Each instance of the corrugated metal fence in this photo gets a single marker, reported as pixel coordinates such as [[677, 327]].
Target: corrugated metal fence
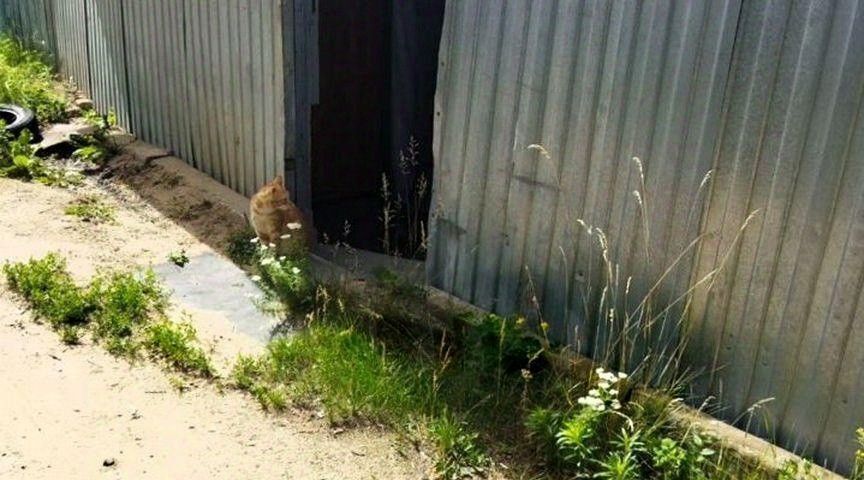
[[203, 79], [768, 95]]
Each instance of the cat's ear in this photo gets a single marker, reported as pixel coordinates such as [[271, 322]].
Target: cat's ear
[[279, 181]]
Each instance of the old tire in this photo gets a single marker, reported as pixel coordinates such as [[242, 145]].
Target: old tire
[[18, 119]]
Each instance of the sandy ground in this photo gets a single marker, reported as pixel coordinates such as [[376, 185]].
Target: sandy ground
[[64, 410]]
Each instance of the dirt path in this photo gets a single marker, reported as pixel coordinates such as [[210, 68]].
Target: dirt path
[[63, 411]]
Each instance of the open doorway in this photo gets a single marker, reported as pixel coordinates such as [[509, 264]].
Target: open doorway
[[371, 142]]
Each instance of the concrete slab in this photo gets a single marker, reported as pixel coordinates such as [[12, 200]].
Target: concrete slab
[[58, 135], [211, 282]]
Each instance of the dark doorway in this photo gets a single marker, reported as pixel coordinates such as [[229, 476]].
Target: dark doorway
[[371, 155]]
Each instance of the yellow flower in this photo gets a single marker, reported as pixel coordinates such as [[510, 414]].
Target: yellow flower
[[544, 326]]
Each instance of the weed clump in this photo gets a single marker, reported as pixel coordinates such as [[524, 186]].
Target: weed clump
[[125, 311], [240, 249], [343, 370], [174, 343], [90, 208], [459, 454], [181, 259], [18, 160], [28, 80], [285, 279], [96, 147], [858, 466], [49, 289], [126, 303]]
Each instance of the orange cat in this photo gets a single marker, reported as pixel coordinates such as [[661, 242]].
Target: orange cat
[[273, 215]]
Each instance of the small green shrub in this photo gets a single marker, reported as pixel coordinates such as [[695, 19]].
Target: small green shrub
[[240, 248], [179, 258], [70, 335], [96, 147], [28, 80], [458, 452], [543, 425], [18, 160], [285, 280], [126, 302], [174, 343], [91, 208], [858, 464], [47, 286], [501, 343], [793, 470]]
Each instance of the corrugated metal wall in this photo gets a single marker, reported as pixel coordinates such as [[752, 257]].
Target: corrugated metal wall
[[71, 55], [28, 21], [767, 94], [784, 320], [203, 79]]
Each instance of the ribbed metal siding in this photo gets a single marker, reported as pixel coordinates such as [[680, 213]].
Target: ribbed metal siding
[[28, 21], [108, 82], [203, 79], [768, 94], [785, 320], [595, 83], [70, 29]]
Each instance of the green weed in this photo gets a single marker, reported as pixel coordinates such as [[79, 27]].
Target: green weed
[[240, 248], [91, 208], [126, 302], [70, 335], [49, 289], [858, 464], [179, 258], [124, 310], [28, 80], [96, 147], [18, 160], [174, 343], [459, 454], [286, 280], [343, 370]]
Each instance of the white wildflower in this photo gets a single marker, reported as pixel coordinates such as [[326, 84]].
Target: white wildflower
[[604, 384], [266, 261], [282, 258], [254, 240], [295, 270], [271, 245], [285, 237], [622, 375], [294, 226], [613, 392], [256, 278], [594, 392]]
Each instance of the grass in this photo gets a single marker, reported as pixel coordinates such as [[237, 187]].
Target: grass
[[479, 390], [28, 80], [96, 147], [91, 208], [122, 310], [49, 289], [174, 343]]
